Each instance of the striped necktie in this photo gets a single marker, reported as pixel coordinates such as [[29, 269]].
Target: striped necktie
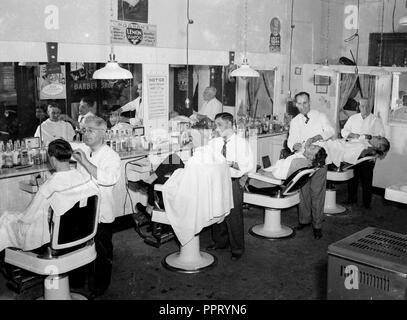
[[306, 118]]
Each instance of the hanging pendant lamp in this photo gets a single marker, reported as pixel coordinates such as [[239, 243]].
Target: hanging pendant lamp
[[245, 71], [112, 70]]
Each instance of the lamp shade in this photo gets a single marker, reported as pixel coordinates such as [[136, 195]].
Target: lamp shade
[[244, 71], [112, 71], [403, 21]]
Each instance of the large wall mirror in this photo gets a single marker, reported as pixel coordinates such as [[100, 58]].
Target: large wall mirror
[[26, 90], [398, 106], [192, 81], [259, 95]]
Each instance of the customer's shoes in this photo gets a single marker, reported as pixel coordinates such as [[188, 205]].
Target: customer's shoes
[[215, 247], [302, 226], [317, 233], [235, 257]]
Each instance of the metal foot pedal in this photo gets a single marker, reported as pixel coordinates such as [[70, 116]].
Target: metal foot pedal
[[19, 280]]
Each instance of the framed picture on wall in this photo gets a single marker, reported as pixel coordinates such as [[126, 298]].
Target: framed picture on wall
[[321, 89]]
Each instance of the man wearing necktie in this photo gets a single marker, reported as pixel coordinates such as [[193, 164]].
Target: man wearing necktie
[[240, 158], [312, 126]]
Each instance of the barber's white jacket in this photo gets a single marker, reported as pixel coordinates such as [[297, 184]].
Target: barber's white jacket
[[135, 105], [237, 150], [211, 108], [108, 164], [300, 131], [370, 125]]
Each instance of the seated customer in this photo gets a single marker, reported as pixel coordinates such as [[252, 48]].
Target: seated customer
[[341, 150], [312, 156], [29, 230], [54, 128]]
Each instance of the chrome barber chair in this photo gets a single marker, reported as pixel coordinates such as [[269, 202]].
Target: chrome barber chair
[[71, 247], [283, 195], [341, 174], [189, 259]]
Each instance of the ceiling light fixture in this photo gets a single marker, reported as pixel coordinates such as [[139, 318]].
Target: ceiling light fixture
[[245, 71], [112, 70]]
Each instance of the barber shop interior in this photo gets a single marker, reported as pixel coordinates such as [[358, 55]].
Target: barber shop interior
[[203, 150]]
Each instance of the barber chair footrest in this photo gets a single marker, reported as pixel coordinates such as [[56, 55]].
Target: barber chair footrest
[[175, 262], [261, 232]]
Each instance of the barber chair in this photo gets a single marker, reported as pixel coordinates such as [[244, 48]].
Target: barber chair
[[189, 259], [281, 196], [71, 247], [335, 174]]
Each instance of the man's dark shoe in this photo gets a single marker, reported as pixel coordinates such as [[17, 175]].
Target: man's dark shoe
[[317, 233], [302, 226], [215, 247], [235, 257]]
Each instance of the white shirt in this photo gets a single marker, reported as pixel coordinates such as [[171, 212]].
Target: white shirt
[[52, 130], [135, 105], [108, 165], [300, 131], [82, 118], [211, 108], [237, 150], [370, 125]]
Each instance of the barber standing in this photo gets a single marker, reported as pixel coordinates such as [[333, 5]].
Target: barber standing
[[135, 105], [362, 125], [103, 165], [310, 125], [239, 156]]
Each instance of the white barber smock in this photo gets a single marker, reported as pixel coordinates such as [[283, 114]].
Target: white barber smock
[[211, 108], [237, 150], [52, 130], [370, 125], [108, 164], [300, 131]]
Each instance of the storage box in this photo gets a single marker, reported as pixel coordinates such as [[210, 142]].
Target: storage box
[[368, 265]]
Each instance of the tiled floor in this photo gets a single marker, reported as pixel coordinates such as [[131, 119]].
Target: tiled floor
[[294, 268]]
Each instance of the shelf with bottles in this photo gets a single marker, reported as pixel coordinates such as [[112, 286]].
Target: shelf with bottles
[[16, 154], [247, 126]]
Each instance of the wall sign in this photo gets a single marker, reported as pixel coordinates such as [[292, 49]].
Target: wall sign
[[275, 38], [52, 85], [133, 33], [156, 86]]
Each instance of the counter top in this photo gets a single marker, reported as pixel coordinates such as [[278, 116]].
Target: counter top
[[15, 172], [272, 134]]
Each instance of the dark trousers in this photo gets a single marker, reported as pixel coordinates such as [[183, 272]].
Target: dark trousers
[[231, 230], [363, 172], [169, 165], [312, 199], [101, 269]]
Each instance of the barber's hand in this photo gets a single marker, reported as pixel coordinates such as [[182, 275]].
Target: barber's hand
[[316, 138], [233, 165], [297, 147], [353, 136], [79, 155]]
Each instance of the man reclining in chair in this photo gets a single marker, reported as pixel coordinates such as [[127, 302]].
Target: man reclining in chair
[[341, 151], [29, 230], [311, 155]]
